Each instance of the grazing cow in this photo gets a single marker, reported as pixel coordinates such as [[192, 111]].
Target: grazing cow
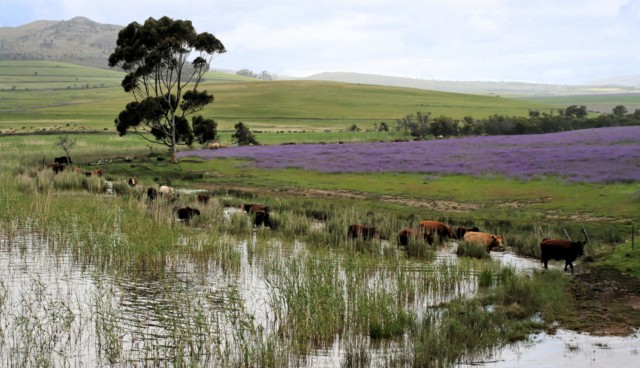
[[431, 228], [165, 190], [62, 160], [215, 145], [485, 239], [405, 235], [561, 249], [56, 168], [202, 198], [460, 231], [261, 218], [152, 193], [252, 207], [186, 213], [97, 173], [132, 182], [361, 231]]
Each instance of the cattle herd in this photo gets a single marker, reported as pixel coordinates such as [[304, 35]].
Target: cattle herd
[[427, 231]]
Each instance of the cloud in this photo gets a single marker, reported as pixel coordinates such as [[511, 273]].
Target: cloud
[[564, 41]]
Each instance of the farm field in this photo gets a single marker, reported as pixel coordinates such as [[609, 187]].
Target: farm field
[[36, 104], [110, 277], [602, 103]]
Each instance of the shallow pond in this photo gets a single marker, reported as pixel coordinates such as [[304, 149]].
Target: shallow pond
[[57, 309]]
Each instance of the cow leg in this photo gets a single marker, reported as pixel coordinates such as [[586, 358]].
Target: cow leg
[[570, 264], [545, 263]]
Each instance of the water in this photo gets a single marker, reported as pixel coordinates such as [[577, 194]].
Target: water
[[568, 348], [59, 310]]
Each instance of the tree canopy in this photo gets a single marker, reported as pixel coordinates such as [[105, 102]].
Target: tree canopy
[[163, 78], [243, 135]]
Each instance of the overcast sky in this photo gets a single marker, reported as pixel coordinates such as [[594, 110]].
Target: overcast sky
[[542, 41]]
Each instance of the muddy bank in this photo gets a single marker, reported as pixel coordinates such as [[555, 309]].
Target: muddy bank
[[607, 302]]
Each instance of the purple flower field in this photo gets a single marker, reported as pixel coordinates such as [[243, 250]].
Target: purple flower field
[[603, 155]]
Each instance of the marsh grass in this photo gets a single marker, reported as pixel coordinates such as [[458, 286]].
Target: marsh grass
[[363, 289], [465, 329], [473, 251]]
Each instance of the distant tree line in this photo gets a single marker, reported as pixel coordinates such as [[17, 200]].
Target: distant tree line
[[264, 75], [423, 125]]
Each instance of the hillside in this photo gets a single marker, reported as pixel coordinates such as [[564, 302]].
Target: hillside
[[486, 87], [77, 41], [48, 95], [84, 42]]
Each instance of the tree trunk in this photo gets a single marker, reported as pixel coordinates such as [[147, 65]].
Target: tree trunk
[[174, 148]]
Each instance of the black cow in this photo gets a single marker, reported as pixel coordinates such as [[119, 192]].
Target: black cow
[[404, 236], [186, 213], [561, 249], [152, 193], [261, 218], [62, 160], [57, 168], [361, 231]]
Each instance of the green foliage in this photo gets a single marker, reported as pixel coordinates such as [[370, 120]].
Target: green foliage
[[154, 56], [243, 135], [66, 144], [206, 130], [473, 251]]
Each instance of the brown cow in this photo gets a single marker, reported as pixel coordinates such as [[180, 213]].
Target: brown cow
[[202, 198], [485, 239], [460, 231], [252, 207], [97, 173], [361, 231], [431, 228], [57, 168], [561, 249], [132, 182]]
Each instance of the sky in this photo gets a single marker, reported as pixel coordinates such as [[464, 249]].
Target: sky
[[543, 41]]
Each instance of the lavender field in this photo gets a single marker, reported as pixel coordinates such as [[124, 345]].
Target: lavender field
[[604, 155]]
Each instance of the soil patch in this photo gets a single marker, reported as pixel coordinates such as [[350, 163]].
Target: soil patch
[[607, 302]]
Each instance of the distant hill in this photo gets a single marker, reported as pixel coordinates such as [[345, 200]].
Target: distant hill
[[78, 41], [82, 41], [478, 87]]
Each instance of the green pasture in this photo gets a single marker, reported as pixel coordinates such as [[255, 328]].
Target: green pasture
[[48, 96], [490, 196], [599, 103]]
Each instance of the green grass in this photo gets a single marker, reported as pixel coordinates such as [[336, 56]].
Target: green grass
[[601, 103], [49, 95]]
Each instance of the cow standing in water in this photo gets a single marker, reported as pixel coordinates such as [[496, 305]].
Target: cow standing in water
[[487, 240], [361, 231], [433, 228], [558, 249]]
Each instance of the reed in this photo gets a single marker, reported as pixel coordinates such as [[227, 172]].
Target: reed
[[473, 251]]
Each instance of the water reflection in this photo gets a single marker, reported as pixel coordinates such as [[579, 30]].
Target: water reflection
[[568, 348], [203, 311]]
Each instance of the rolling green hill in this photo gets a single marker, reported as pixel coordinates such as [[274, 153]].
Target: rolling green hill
[[53, 95]]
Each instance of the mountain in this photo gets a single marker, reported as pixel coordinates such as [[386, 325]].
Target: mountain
[[84, 42], [77, 41]]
